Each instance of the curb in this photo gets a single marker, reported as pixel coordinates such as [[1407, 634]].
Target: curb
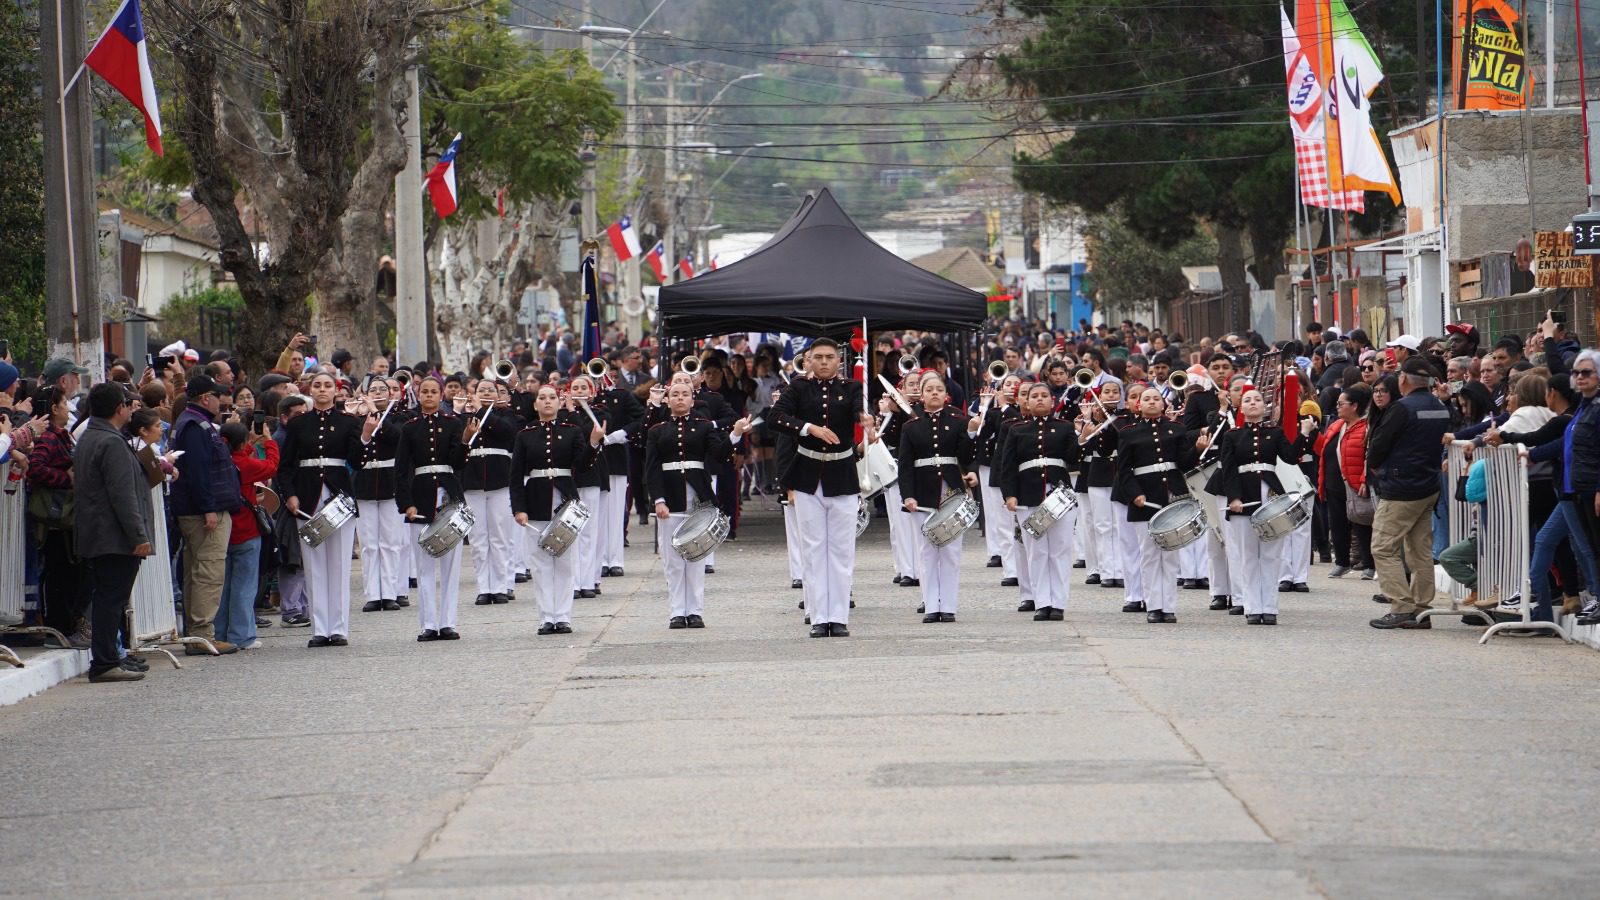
[[43, 670]]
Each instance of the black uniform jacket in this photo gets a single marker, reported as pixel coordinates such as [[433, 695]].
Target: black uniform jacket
[[928, 436], [834, 404], [548, 445], [1147, 443], [331, 437], [428, 441], [687, 439], [598, 474], [1033, 439], [1003, 426], [1244, 449], [988, 438], [488, 463], [374, 479], [624, 412]]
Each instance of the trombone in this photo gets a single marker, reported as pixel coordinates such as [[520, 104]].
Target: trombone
[[1178, 381], [504, 370], [1084, 378], [908, 364], [998, 370], [596, 368], [689, 365]]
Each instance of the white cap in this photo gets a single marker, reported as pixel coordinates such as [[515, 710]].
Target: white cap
[[1408, 341], [175, 348]]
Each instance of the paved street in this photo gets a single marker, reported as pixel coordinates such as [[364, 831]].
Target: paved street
[[995, 756]]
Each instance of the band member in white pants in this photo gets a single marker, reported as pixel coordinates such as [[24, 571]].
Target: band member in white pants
[[624, 417], [1297, 546], [679, 454], [902, 525], [433, 447], [1100, 516], [936, 450], [379, 525], [593, 483], [486, 480], [998, 535], [318, 449], [1039, 451], [544, 460], [1154, 453], [821, 412]]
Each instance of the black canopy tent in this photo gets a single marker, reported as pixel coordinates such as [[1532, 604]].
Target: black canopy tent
[[819, 275]]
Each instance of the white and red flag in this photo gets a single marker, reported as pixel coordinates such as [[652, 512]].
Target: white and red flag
[[441, 181], [121, 57], [656, 259], [624, 240]]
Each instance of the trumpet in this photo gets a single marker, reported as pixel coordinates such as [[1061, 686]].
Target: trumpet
[[908, 364], [798, 365], [998, 370], [504, 370], [689, 365], [596, 368], [1178, 380], [1083, 378], [404, 377]]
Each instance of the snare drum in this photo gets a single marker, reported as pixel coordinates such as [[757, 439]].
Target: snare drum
[[330, 518], [955, 515], [1178, 524], [451, 525], [1051, 510], [563, 530], [1279, 516], [863, 515], [702, 531]]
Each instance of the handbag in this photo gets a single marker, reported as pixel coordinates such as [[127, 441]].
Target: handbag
[[1360, 509], [51, 507]]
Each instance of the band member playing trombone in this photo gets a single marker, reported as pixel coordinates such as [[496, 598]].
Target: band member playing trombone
[[385, 561], [317, 451], [433, 447], [486, 479], [821, 412], [1038, 453], [680, 453], [544, 460], [1153, 453], [935, 452]]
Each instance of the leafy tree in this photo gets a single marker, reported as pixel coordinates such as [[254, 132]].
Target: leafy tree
[[180, 314], [22, 201], [1130, 272]]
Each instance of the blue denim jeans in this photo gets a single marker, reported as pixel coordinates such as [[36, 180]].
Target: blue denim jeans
[[236, 614], [1441, 516], [1563, 525]]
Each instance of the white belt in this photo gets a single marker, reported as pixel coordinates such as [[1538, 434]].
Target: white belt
[[488, 451], [321, 462], [1258, 467], [1158, 467], [379, 464], [938, 461], [1307, 458], [434, 470], [682, 466], [546, 473], [825, 457], [1041, 462]]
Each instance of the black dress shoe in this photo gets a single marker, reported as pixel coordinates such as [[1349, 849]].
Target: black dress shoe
[[1183, 582], [1133, 606], [1269, 618], [1252, 620], [1057, 614], [503, 598], [711, 570], [947, 617], [1153, 617], [838, 630], [696, 622], [402, 601], [428, 634], [1220, 602], [795, 584], [595, 590], [922, 608], [852, 604], [1008, 582], [338, 640], [133, 663], [1043, 615], [1025, 606], [547, 628], [908, 581], [563, 628], [930, 618], [1300, 587], [1285, 587], [802, 605], [1080, 564], [678, 622], [1169, 618], [317, 641], [605, 572], [819, 630], [617, 572], [1203, 584], [483, 600], [372, 606], [586, 594], [391, 605], [1113, 583], [522, 578], [1092, 579], [412, 583], [449, 634], [993, 563], [899, 578], [1236, 610], [808, 620]]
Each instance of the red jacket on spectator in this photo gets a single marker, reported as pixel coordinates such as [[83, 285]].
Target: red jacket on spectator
[[50, 460], [251, 470], [1352, 444]]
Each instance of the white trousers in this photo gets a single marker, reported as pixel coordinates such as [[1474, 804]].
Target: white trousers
[[1050, 560], [494, 540], [1193, 561], [586, 567], [791, 540], [1101, 520], [552, 578], [1160, 573], [327, 569], [615, 520], [383, 533], [1253, 563], [1221, 583], [527, 544], [1130, 538], [1019, 554], [940, 566], [1083, 542], [903, 534], [686, 581], [998, 536], [1296, 565], [413, 560], [438, 586], [828, 536]]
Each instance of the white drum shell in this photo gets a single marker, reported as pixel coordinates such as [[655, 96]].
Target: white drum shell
[[450, 527], [705, 528], [955, 515], [1051, 510], [563, 530], [330, 518], [1178, 524], [1279, 517]]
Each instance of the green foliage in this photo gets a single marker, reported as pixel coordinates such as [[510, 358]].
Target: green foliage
[[180, 315], [22, 268], [1128, 269]]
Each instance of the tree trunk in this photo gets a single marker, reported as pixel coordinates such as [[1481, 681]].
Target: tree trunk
[[1235, 280]]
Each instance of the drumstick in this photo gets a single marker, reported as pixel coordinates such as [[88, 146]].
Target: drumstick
[[585, 404]]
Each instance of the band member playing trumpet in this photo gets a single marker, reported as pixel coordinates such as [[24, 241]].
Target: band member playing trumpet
[[1154, 452], [486, 479], [680, 453], [902, 525], [385, 560], [1039, 451], [317, 451], [935, 452], [1098, 474], [544, 460], [821, 412], [432, 449], [998, 534], [593, 483], [1247, 477], [624, 418]]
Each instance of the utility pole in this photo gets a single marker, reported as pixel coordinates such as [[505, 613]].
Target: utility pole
[[411, 266], [669, 249], [630, 272], [72, 303]]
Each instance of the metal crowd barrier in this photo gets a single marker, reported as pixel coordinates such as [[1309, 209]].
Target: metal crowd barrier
[[1462, 520], [153, 620], [13, 536]]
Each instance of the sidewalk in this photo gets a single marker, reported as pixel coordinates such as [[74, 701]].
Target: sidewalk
[[42, 669]]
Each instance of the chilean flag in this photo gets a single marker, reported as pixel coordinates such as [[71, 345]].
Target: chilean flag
[[686, 265], [624, 240], [442, 181], [121, 58], [657, 260], [713, 263]]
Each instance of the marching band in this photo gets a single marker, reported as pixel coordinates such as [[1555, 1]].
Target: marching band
[[1127, 484]]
